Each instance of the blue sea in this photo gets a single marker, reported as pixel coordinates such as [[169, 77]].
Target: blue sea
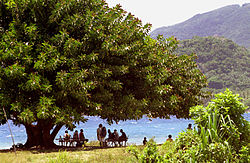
[[135, 130]]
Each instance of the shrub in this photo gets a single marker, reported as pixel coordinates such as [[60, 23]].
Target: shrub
[[244, 154], [187, 139], [168, 149], [149, 154], [194, 146], [229, 108], [220, 135]]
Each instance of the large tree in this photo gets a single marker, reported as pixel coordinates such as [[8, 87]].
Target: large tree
[[61, 61]]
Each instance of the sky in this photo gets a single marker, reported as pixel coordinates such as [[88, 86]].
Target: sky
[[161, 13]]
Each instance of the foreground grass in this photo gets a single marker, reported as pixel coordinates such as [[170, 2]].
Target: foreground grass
[[77, 156]]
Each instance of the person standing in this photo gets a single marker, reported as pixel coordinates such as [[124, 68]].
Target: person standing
[[144, 141], [98, 132], [103, 135]]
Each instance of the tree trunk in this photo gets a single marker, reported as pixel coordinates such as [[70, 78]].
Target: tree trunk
[[39, 135]]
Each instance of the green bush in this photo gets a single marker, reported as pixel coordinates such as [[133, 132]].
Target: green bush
[[219, 136], [168, 149], [229, 107], [244, 154], [194, 146], [149, 154], [187, 139]]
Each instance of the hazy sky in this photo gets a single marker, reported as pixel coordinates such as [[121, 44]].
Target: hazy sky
[[169, 12]]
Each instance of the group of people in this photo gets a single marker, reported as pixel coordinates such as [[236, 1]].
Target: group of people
[[79, 139], [169, 136], [112, 137], [144, 142]]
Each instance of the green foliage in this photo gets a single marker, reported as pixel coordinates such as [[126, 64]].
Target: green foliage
[[222, 129], [226, 108], [244, 154], [221, 60], [149, 154], [225, 64], [63, 60], [220, 136], [167, 149], [186, 148], [63, 157], [187, 139], [208, 144]]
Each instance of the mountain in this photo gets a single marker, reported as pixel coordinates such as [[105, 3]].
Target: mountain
[[232, 22], [225, 64]]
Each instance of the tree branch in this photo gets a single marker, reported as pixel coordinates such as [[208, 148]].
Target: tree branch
[[55, 131]]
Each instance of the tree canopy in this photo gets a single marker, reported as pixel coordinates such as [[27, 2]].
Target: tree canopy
[[63, 60]]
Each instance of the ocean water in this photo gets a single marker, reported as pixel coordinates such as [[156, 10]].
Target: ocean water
[[135, 130]]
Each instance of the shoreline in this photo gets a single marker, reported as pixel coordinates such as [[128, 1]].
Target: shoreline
[[136, 130]]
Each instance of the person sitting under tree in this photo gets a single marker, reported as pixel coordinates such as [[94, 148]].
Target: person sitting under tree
[[61, 141], [116, 136], [82, 138], [122, 138], [66, 137], [144, 141], [110, 137], [75, 138]]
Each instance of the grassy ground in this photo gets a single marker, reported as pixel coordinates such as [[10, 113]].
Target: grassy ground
[[88, 154]]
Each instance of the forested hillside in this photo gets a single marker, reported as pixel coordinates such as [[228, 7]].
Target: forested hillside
[[225, 64], [232, 22]]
